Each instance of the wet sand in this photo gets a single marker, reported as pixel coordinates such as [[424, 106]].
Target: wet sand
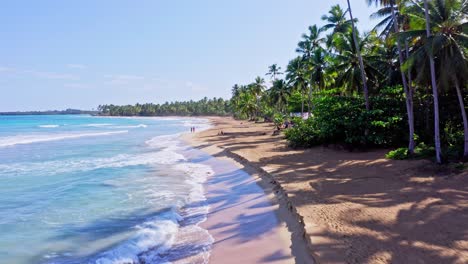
[[246, 219]]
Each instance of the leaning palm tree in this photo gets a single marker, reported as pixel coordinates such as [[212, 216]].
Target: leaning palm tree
[[274, 70], [408, 93], [361, 63]]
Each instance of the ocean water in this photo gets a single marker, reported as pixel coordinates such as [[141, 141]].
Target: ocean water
[[83, 189]]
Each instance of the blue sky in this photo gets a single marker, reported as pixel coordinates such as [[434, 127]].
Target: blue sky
[[58, 54]]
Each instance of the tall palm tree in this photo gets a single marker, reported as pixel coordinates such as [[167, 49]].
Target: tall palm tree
[[247, 104], [336, 20], [445, 42], [309, 44], [435, 93], [274, 70], [257, 89], [450, 44], [408, 94], [361, 63], [316, 66], [295, 74], [258, 86], [346, 63], [310, 41], [279, 94]]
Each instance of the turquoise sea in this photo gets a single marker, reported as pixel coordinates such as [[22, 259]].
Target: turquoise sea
[[84, 189]]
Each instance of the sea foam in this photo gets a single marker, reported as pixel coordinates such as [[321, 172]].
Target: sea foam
[[28, 139], [153, 240]]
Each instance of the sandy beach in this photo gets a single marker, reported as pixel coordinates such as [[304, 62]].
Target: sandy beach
[[247, 220], [334, 205]]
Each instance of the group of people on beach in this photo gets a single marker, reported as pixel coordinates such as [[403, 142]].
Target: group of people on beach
[[192, 129]]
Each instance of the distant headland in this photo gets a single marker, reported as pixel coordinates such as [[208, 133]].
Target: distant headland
[[52, 112]]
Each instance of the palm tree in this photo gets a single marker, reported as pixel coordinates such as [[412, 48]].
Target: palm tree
[[310, 42], [408, 93], [448, 46], [361, 63], [247, 104], [257, 89], [316, 69], [279, 93], [274, 70], [346, 63], [295, 74], [435, 93], [308, 46], [336, 20]]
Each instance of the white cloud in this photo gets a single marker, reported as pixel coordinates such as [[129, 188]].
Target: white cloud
[[76, 85], [52, 75], [5, 69], [123, 78], [76, 66]]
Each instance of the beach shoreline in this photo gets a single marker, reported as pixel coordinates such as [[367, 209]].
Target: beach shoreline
[[349, 207], [290, 246]]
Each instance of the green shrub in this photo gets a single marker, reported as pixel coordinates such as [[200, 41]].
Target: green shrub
[[420, 151], [303, 134], [398, 154], [424, 151], [344, 120], [278, 119]]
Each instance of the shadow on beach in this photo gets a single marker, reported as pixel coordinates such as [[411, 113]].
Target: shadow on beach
[[358, 207]]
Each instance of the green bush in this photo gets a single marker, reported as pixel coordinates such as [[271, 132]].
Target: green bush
[[398, 154], [278, 119], [303, 134], [344, 120], [420, 151]]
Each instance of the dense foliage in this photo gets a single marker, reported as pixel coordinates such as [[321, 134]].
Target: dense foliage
[[342, 78], [344, 120], [215, 106]]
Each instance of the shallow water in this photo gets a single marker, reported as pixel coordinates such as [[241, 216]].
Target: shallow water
[[82, 189]]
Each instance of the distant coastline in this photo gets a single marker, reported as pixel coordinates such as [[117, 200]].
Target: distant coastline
[[52, 112]]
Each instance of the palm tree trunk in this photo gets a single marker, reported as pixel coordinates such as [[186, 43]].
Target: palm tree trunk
[[465, 119], [309, 101], [435, 93], [302, 103], [411, 92], [409, 98], [361, 63]]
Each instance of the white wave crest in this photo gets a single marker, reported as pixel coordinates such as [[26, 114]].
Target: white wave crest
[[98, 125], [135, 126], [157, 234], [80, 165], [28, 139], [49, 126]]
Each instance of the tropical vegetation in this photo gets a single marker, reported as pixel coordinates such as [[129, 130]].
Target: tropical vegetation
[[402, 84], [205, 106]]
